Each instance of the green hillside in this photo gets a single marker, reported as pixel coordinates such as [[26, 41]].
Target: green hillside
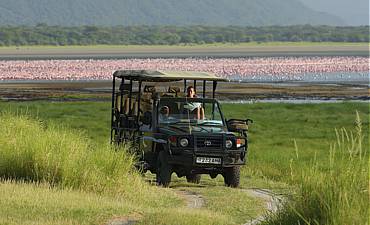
[[161, 12]]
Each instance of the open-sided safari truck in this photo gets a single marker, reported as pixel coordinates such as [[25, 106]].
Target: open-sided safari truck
[[171, 132]]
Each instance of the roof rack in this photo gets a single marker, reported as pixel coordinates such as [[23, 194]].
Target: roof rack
[[165, 76]]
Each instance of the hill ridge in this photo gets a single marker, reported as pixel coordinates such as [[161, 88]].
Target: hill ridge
[[161, 12]]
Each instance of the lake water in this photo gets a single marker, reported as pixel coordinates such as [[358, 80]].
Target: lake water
[[293, 101], [324, 78]]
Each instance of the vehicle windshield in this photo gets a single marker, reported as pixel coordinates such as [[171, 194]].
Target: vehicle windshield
[[194, 111]]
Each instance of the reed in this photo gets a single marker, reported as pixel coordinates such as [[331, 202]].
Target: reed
[[337, 195], [33, 151]]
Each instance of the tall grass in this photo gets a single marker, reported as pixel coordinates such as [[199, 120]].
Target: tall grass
[[32, 151], [337, 195]]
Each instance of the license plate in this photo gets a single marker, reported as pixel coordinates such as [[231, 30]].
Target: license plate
[[208, 160]]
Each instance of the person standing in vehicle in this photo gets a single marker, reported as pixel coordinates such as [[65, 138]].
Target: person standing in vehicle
[[194, 107]]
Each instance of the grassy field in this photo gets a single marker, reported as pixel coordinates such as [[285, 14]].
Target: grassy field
[[278, 128], [54, 175], [289, 144]]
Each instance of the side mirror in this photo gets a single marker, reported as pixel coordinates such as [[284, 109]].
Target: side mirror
[[147, 118], [237, 125]]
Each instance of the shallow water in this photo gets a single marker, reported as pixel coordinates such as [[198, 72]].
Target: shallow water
[[331, 78], [293, 101]]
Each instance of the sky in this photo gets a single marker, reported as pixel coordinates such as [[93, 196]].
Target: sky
[[353, 12]]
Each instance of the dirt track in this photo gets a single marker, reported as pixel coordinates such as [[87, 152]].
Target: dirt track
[[192, 199], [272, 200], [273, 203], [196, 201]]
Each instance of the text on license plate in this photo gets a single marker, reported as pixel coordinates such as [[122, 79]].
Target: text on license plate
[[208, 160]]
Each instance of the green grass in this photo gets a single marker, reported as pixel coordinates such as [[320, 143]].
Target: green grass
[[236, 203], [337, 195], [89, 118], [277, 128], [37, 152], [54, 175], [289, 143], [25, 203]]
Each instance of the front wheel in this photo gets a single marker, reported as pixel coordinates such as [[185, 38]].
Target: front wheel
[[164, 171], [232, 176], [193, 178]]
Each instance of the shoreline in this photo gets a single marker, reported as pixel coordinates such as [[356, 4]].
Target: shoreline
[[226, 92]]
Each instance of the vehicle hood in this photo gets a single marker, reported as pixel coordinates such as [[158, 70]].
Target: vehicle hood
[[191, 129]]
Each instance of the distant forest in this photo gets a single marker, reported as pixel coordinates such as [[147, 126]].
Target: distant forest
[[43, 34]]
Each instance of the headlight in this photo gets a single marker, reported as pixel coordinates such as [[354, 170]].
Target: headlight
[[228, 144], [184, 142]]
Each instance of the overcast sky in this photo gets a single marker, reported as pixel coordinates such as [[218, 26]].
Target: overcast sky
[[353, 12]]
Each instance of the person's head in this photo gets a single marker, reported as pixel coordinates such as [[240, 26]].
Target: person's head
[[190, 92], [165, 110]]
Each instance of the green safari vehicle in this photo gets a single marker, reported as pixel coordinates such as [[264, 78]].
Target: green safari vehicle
[[171, 132]]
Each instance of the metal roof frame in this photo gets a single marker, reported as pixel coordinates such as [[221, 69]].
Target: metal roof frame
[[165, 76]]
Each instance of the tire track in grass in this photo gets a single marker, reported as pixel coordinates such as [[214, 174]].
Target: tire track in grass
[[273, 203], [126, 220], [192, 199]]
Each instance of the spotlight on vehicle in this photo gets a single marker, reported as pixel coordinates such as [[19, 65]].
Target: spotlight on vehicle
[[228, 144]]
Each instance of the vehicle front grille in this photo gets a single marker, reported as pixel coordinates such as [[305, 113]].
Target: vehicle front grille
[[209, 143]]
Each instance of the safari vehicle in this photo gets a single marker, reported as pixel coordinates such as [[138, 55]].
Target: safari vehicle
[[164, 132]]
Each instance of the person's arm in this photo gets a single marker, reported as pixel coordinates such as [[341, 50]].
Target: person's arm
[[201, 113], [198, 113]]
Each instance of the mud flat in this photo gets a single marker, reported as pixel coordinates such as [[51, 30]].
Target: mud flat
[[122, 52], [230, 92]]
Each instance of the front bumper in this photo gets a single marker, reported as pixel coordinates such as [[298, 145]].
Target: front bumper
[[208, 147], [188, 158]]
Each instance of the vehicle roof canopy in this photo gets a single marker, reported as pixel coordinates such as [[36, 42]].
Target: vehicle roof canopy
[[165, 76]]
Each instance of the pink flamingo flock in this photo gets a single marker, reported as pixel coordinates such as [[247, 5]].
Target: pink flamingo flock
[[281, 68]]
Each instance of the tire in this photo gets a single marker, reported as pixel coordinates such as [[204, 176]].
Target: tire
[[164, 171], [193, 178], [232, 176]]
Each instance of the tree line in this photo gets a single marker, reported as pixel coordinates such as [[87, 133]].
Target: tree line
[[43, 34]]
